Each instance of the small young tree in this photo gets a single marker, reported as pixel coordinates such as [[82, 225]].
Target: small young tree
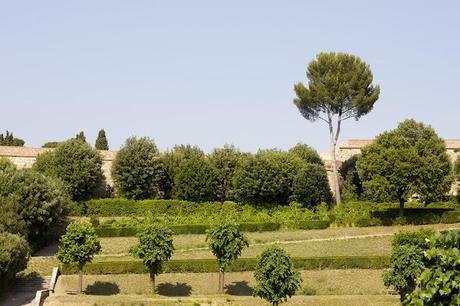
[[137, 170], [101, 141], [340, 87], [155, 246], [275, 276], [79, 244], [226, 242], [409, 159]]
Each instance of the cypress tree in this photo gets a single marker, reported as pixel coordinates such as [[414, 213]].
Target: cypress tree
[[101, 141], [81, 136]]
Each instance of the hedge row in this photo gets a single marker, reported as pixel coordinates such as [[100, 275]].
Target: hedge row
[[240, 265], [104, 231], [417, 216]]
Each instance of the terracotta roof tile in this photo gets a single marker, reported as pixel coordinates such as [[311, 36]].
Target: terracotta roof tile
[[33, 152]]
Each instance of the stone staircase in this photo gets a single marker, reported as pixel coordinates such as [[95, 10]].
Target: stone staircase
[[31, 284]]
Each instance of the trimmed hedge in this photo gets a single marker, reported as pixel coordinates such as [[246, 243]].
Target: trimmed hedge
[[417, 216], [450, 217], [107, 231], [240, 265]]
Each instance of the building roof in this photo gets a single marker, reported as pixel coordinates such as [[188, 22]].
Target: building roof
[[359, 143], [8, 151]]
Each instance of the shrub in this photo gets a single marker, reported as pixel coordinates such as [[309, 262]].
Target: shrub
[[6, 163], [42, 201], [195, 180], [450, 217], [14, 254], [276, 279], [76, 164], [407, 260], [8, 139], [439, 283], [311, 186], [11, 220], [137, 171], [78, 246], [239, 265]]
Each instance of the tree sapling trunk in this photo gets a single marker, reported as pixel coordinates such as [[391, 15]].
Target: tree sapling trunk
[[80, 280], [152, 280], [221, 281]]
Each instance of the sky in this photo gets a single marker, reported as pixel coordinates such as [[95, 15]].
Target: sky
[[210, 73]]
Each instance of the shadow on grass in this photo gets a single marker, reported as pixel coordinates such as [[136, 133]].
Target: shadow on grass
[[178, 289], [102, 288], [239, 289]]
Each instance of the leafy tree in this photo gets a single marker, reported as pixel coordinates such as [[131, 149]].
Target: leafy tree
[[101, 141], [406, 261], [155, 246], [410, 159], [8, 139], [51, 144], [311, 186], [226, 242], [78, 246], [81, 136], [224, 160], [6, 163], [195, 180], [306, 153], [173, 158], [275, 276], [352, 187], [11, 220], [76, 164], [137, 171], [40, 201], [14, 255], [266, 177], [439, 283], [340, 87]]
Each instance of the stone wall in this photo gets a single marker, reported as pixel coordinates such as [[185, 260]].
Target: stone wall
[[24, 157], [351, 147]]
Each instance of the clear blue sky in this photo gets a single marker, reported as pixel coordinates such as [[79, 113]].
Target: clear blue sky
[[214, 72]]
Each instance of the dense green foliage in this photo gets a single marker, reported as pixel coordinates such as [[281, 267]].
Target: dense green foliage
[[352, 187], [339, 87], [51, 144], [311, 186], [410, 159], [101, 141], [78, 246], [8, 139], [195, 180], [76, 164], [226, 242], [6, 163], [224, 161], [406, 261], [81, 136], [36, 201], [11, 220], [439, 283], [306, 153], [137, 171], [266, 177], [276, 279], [239, 265], [14, 255], [155, 246], [173, 158]]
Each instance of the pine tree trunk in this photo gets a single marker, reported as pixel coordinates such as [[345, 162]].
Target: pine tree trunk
[[335, 172], [80, 281]]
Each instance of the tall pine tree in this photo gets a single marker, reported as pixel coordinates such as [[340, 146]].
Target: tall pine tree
[[101, 141]]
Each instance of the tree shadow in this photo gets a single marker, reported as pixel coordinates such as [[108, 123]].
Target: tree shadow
[[178, 289], [239, 288], [102, 288]]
